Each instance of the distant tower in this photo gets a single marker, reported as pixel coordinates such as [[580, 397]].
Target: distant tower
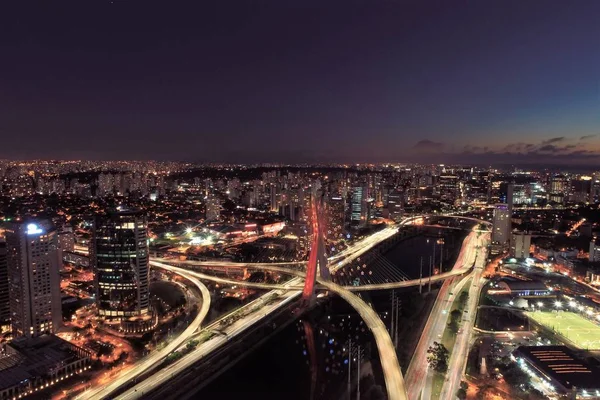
[[213, 208], [336, 213], [34, 278], [501, 228], [119, 254], [510, 188], [358, 207], [396, 204], [520, 244], [4, 297]]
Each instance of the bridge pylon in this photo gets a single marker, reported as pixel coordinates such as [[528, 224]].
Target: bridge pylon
[[317, 261]]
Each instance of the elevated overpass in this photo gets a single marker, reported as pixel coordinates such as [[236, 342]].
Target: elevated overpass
[[393, 376]]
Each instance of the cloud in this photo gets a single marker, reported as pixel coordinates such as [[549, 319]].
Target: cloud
[[549, 148], [553, 140], [587, 137], [428, 146]]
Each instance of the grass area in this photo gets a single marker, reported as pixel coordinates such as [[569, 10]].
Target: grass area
[[580, 331], [438, 383]]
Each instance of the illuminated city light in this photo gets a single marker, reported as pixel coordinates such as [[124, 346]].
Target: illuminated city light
[[33, 229]]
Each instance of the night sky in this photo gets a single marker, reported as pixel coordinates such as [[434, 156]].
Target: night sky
[[301, 81]]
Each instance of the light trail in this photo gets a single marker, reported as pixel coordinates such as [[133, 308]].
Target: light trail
[[158, 356], [417, 374], [395, 385], [458, 359], [204, 349]]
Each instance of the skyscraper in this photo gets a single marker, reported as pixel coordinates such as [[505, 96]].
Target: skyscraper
[[520, 244], [213, 207], [119, 254], [4, 297], [358, 207], [501, 227], [510, 193], [34, 279], [395, 204], [336, 213]]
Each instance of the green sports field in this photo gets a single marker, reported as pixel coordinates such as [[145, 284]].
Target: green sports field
[[583, 333]]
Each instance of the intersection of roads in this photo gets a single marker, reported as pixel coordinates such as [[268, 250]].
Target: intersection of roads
[[288, 292]]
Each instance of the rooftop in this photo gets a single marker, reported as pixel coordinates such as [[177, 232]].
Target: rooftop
[[519, 284], [27, 358], [561, 364]]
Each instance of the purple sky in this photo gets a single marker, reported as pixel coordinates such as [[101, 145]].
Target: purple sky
[[243, 81]]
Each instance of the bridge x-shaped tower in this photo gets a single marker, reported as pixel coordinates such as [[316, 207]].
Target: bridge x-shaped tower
[[317, 262]]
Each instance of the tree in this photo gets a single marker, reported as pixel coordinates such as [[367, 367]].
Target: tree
[[455, 317], [516, 376], [464, 296], [438, 357]]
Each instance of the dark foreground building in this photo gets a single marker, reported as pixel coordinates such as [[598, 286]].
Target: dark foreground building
[[119, 254], [561, 369], [30, 365]]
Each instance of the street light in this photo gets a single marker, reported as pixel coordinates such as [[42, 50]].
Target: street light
[[558, 304], [540, 304]]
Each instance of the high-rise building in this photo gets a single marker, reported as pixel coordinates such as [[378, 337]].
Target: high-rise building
[[501, 225], [395, 204], [4, 297], [336, 216], [520, 244], [213, 208], [358, 206], [559, 185], [582, 190], [119, 254], [594, 251], [510, 193], [34, 279]]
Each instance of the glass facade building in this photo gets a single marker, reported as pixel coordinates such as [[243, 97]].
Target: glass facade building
[[119, 251]]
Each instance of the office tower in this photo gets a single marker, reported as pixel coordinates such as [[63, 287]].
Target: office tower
[[594, 251], [582, 190], [559, 185], [520, 244], [213, 208], [395, 204], [4, 297], [66, 239], [448, 187], [358, 206], [501, 225], [119, 254], [510, 189], [34, 279], [273, 198], [336, 215]]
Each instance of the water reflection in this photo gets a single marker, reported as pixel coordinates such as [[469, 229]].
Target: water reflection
[[328, 352]]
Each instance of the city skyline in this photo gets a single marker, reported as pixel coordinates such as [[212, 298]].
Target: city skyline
[[500, 83], [267, 199]]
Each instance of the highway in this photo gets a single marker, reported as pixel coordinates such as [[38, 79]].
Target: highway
[[458, 359], [154, 358], [261, 310], [286, 293], [394, 381], [418, 370], [275, 286]]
